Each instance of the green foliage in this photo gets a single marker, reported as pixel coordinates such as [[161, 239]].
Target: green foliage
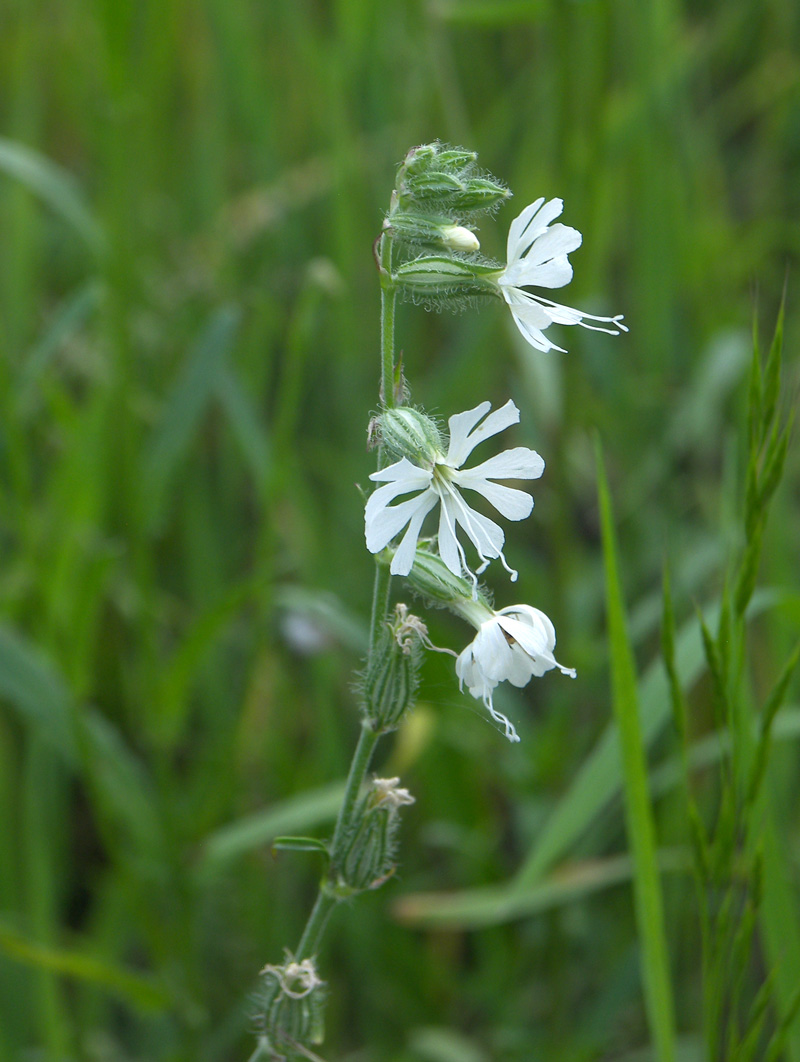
[[188, 198]]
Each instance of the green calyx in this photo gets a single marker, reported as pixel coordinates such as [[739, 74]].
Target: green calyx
[[407, 432], [434, 176]]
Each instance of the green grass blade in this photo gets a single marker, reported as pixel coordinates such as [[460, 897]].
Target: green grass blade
[[197, 383], [83, 739], [781, 927], [302, 812], [132, 987], [53, 185], [488, 906], [598, 780], [639, 813]]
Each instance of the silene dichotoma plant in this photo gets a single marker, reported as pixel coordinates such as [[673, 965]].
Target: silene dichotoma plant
[[428, 252]]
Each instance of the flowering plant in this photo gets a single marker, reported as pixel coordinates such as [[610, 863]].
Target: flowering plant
[[428, 250]]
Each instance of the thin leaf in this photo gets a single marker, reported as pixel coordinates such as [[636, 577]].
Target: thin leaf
[[135, 989], [300, 844], [474, 908], [639, 812], [598, 780]]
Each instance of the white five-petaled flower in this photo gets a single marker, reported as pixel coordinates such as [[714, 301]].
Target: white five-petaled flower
[[441, 484], [537, 256], [512, 645]]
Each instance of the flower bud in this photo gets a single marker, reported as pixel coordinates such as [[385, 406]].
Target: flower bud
[[390, 681], [431, 230], [480, 193], [459, 238], [291, 1004], [435, 156], [430, 186], [369, 858], [407, 432], [451, 193], [435, 275]]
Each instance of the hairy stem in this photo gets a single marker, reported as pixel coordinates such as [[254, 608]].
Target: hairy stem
[[388, 302], [326, 900], [315, 925]]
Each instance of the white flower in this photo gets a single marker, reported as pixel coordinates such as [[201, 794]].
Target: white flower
[[537, 256], [512, 645], [440, 484]]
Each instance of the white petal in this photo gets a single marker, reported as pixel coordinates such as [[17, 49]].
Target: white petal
[[533, 617], [460, 449], [511, 503], [537, 641], [380, 498], [532, 333], [552, 274], [518, 226], [527, 305], [520, 462], [530, 224], [403, 560], [521, 669], [403, 471], [449, 549], [492, 652], [555, 242], [486, 536], [461, 424], [383, 524]]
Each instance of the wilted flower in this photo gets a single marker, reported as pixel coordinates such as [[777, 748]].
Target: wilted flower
[[439, 480], [537, 256], [295, 979], [512, 645], [386, 792]]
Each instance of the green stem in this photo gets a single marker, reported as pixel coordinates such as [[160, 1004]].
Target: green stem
[[380, 604], [315, 925], [388, 303], [325, 901], [380, 592], [355, 779]]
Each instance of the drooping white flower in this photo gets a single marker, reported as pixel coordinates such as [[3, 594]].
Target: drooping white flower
[[537, 257], [440, 482], [512, 645]]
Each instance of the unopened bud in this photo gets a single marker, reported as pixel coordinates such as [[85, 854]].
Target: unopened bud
[[435, 156], [431, 230], [407, 432], [480, 193], [459, 238], [435, 276]]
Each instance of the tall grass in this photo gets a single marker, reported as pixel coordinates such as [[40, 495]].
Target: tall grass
[[188, 198]]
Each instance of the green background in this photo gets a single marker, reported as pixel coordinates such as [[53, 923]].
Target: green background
[[189, 193]]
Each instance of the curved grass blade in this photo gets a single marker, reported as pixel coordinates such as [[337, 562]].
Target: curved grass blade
[[54, 186]]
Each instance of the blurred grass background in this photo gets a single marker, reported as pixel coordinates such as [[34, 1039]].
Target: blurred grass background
[[189, 326]]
